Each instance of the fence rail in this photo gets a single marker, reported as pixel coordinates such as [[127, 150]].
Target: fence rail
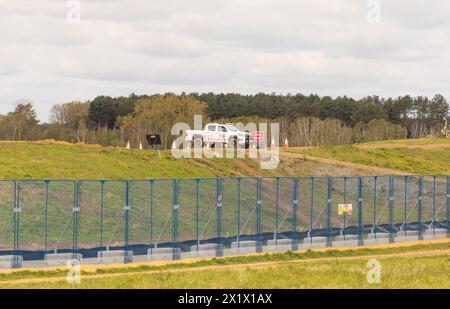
[[39, 217]]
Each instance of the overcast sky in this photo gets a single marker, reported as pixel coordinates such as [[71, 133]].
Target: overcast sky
[[339, 47]]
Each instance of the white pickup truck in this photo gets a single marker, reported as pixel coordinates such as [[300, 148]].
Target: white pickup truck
[[215, 133]]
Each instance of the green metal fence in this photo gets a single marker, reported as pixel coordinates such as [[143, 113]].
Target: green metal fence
[[92, 216]]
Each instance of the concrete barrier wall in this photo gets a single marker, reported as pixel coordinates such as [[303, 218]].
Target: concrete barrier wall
[[313, 242], [11, 261], [345, 241], [162, 254], [284, 241], [434, 234], [377, 238], [277, 248], [244, 243], [114, 256], [204, 247], [62, 259], [205, 250], [406, 236], [346, 237], [209, 250], [233, 251]]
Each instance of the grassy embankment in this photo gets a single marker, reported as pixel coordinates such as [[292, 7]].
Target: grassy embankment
[[66, 161]]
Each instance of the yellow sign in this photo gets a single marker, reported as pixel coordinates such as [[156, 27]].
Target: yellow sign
[[345, 209]]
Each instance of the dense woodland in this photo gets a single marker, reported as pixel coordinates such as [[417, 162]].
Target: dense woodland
[[305, 120]]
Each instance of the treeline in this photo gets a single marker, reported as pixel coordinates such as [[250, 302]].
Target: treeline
[[20, 124], [305, 120], [421, 116]]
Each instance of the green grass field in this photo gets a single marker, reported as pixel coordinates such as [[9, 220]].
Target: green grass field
[[54, 160], [68, 161], [402, 266], [411, 156]]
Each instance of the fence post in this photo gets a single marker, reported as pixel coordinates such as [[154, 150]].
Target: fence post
[[16, 263], [294, 214], [259, 236], [197, 205], [128, 256], [219, 248], [433, 226], [238, 211], [75, 211], [329, 213], [345, 202], [152, 184], [46, 215], [176, 206], [419, 215], [448, 206], [277, 205], [360, 212], [391, 209], [375, 179], [311, 215], [405, 203], [102, 206]]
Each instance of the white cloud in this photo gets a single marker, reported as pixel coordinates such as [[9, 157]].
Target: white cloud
[[124, 46]]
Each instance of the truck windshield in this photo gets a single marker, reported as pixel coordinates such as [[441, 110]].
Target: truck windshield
[[232, 128]]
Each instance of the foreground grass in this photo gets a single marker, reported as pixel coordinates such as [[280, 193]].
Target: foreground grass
[[404, 272], [336, 268], [408, 157]]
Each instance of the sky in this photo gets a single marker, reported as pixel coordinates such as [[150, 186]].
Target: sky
[[57, 51]]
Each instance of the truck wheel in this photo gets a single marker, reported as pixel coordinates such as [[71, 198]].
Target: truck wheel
[[247, 142], [232, 142], [198, 142]]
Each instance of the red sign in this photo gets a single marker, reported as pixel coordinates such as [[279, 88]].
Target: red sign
[[257, 136]]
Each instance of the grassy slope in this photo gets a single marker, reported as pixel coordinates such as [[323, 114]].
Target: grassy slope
[[59, 160], [420, 141], [345, 268], [53, 160], [412, 156]]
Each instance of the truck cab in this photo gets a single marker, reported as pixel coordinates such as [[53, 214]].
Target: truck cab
[[216, 133]]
